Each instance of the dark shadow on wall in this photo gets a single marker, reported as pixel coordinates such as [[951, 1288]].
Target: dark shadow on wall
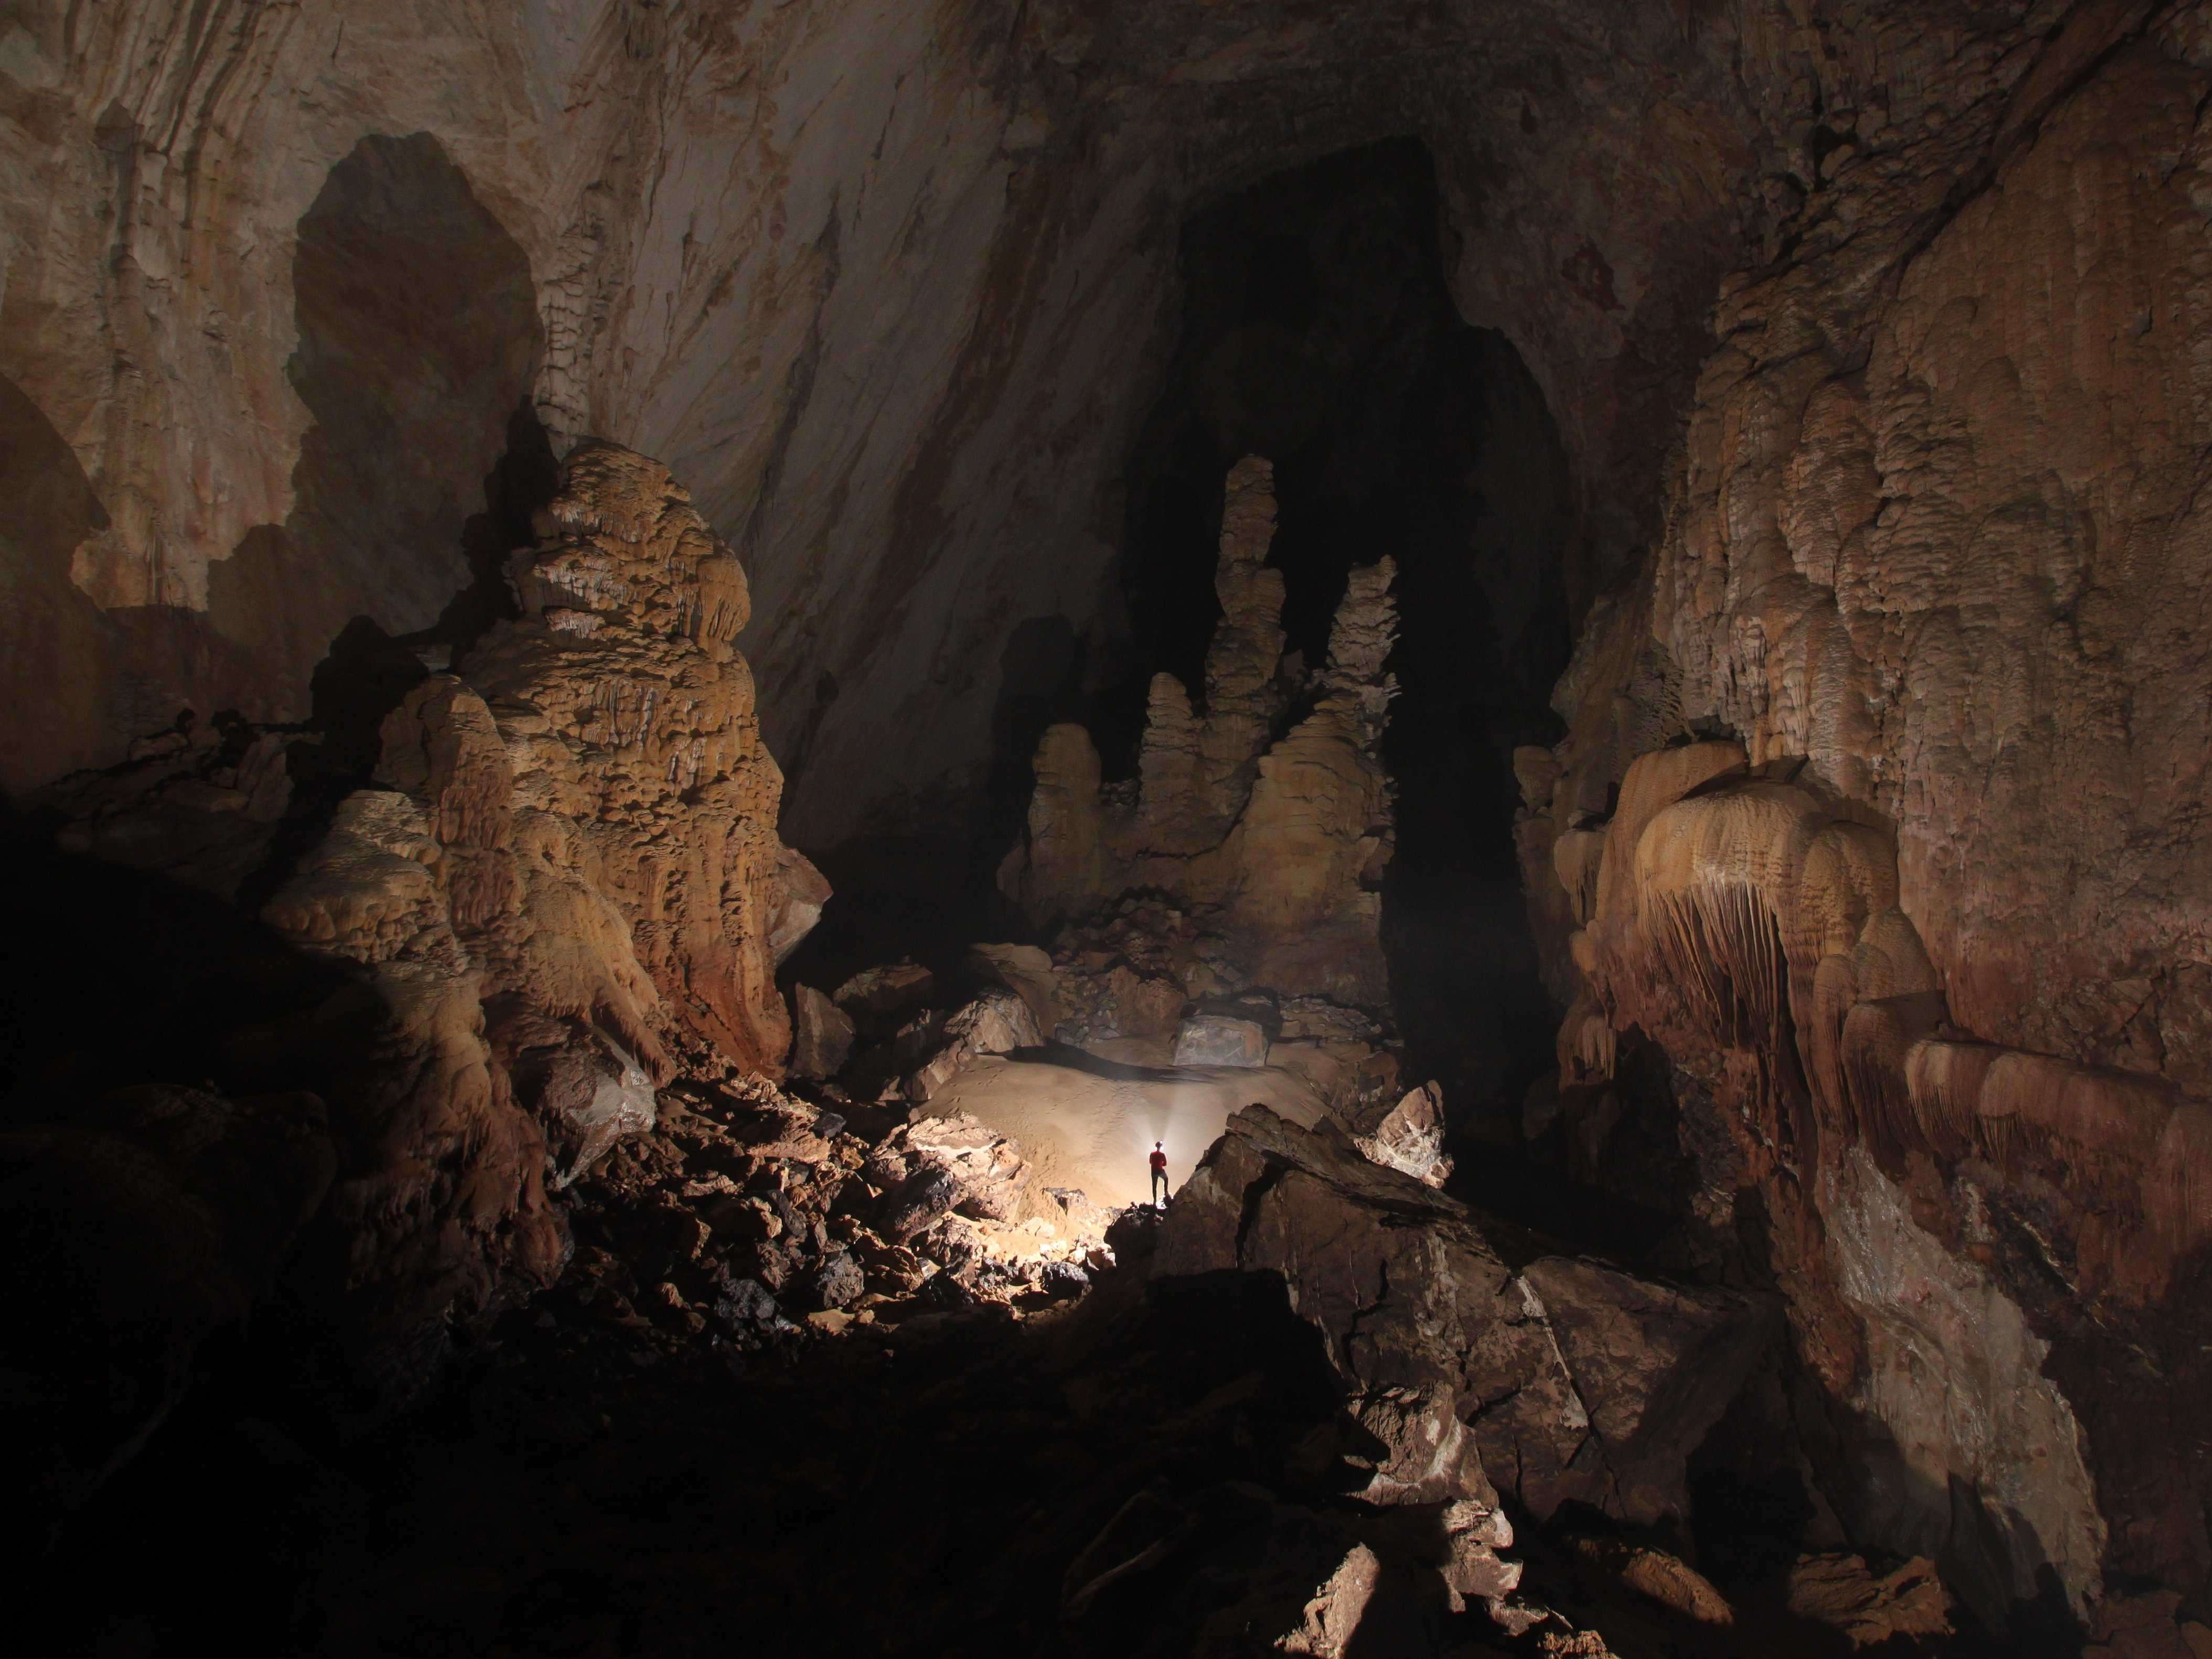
[[418, 339], [419, 336], [58, 646], [1318, 330]]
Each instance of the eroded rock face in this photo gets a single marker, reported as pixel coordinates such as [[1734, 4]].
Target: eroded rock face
[[1901, 867], [631, 726], [1904, 873]]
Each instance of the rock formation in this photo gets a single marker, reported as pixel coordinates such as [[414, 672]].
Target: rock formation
[[1277, 839], [564, 888], [1563, 1380], [1916, 926], [561, 890]]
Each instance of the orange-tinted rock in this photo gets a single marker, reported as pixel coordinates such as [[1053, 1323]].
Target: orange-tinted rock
[[562, 890], [1928, 554], [630, 727]]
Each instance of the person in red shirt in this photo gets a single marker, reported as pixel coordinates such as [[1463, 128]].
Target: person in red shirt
[[1159, 1171]]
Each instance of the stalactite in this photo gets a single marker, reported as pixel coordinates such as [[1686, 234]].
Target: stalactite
[[1877, 1039]]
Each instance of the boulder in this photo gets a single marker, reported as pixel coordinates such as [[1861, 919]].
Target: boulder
[[877, 999], [837, 1282], [915, 1203], [1582, 1382], [1220, 1040], [998, 1021], [1025, 969], [990, 1176], [1063, 1279], [1410, 1137], [1115, 1001], [821, 1035], [585, 1088], [796, 893], [1870, 1609], [1656, 1575], [775, 1127]]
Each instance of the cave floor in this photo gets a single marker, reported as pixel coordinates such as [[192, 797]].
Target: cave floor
[[921, 1491], [896, 1491], [580, 1485], [603, 1470]]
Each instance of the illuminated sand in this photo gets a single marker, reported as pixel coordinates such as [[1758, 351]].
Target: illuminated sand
[[1078, 1129]]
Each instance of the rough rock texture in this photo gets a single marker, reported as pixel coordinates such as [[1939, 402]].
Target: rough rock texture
[[1919, 916], [795, 902], [1218, 1040], [440, 1189], [1025, 969], [634, 742], [822, 1034], [560, 894], [1279, 842], [1562, 1381], [873, 278], [996, 1023], [1841, 1593], [1409, 1138]]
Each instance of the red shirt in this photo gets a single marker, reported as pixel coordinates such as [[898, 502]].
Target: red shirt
[[1160, 1161]]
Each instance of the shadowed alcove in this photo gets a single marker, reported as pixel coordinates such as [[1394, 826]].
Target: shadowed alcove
[[1318, 330]]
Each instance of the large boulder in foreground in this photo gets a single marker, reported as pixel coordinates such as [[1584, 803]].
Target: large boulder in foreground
[[1561, 1379]]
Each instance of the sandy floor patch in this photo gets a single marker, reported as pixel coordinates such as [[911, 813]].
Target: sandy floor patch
[[1079, 1129]]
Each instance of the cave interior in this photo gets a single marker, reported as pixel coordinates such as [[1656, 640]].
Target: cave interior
[[689, 672]]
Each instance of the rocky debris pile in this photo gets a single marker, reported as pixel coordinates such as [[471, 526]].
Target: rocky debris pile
[[1110, 1475], [880, 1036], [1555, 1381], [1267, 817], [1140, 982], [1121, 979], [745, 1219]]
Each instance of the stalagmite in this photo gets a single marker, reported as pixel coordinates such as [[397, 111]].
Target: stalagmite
[[1279, 840]]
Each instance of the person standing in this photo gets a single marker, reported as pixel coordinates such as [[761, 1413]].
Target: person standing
[[1159, 1171]]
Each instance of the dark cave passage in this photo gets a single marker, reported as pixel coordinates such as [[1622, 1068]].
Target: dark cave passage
[[1318, 331]]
